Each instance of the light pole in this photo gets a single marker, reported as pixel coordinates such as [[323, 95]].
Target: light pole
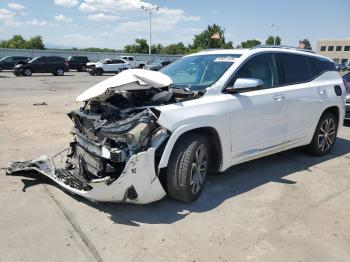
[[276, 27], [150, 9]]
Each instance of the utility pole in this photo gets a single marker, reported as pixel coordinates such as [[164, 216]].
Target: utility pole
[[150, 9]]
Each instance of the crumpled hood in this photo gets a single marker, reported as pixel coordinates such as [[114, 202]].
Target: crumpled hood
[[128, 80]]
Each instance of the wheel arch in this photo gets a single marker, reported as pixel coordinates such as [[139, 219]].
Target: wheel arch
[[213, 139], [334, 110]]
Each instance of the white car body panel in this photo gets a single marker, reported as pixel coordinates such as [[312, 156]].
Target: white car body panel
[[139, 172], [133, 79]]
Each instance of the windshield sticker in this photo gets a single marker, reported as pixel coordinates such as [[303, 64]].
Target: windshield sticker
[[229, 59]]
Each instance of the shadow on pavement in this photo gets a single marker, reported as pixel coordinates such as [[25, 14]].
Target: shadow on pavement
[[235, 181]]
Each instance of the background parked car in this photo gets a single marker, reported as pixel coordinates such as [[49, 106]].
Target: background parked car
[[9, 62], [43, 64], [133, 62], [347, 103], [108, 66], [157, 65], [343, 67], [77, 63]]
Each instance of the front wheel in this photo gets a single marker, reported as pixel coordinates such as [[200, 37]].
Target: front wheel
[[27, 72], [188, 168], [325, 135]]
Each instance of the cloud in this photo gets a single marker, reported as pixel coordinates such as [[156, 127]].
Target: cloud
[[103, 17], [16, 6], [111, 5], [7, 17], [164, 19], [62, 18], [6, 14], [35, 22], [66, 3]]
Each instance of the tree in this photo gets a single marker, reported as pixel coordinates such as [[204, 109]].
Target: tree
[[212, 37], [250, 43], [17, 41], [278, 40], [35, 42], [271, 40], [174, 49], [305, 44], [140, 47]]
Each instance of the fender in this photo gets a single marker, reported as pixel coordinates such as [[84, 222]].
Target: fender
[[225, 162]]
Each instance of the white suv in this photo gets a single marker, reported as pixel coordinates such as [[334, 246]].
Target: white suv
[[142, 134]]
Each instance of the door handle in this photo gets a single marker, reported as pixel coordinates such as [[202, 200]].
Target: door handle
[[278, 98]]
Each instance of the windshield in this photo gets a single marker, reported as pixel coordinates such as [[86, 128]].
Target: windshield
[[31, 61], [200, 71], [4, 58]]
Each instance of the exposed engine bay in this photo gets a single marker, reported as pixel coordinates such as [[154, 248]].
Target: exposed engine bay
[[113, 156]]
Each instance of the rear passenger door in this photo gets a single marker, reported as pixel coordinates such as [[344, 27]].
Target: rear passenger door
[[305, 95]]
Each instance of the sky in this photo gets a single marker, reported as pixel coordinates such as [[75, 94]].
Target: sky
[[115, 23]]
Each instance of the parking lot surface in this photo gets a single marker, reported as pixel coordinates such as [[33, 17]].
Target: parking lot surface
[[287, 207]]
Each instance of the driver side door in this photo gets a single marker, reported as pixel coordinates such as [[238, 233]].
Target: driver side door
[[258, 116]]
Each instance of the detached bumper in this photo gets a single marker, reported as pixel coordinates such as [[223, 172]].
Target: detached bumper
[[137, 183]]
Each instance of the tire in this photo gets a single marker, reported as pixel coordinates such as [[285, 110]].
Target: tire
[[0, 69], [82, 69], [27, 72], [59, 72], [98, 71], [325, 135], [184, 180]]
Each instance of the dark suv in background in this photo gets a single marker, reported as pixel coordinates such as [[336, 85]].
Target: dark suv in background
[[77, 62], [8, 63], [43, 64]]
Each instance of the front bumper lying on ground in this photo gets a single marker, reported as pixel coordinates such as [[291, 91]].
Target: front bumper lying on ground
[[137, 183]]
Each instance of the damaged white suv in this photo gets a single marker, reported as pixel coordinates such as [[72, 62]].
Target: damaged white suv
[[142, 134]]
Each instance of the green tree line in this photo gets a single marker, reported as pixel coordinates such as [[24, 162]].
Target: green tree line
[[17, 41]]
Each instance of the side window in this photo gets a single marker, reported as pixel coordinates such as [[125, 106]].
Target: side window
[[119, 62], [296, 68], [263, 67], [320, 65], [10, 59]]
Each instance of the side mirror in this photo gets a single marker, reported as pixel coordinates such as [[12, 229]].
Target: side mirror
[[245, 84]]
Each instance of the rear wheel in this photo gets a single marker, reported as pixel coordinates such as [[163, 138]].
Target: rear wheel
[[188, 168], [325, 135], [82, 69], [27, 72], [59, 72]]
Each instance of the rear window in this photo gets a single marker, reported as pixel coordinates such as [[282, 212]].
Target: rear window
[[320, 65], [296, 68]]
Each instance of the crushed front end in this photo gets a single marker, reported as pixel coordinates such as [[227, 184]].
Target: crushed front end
[[117, 142], [112, 156]]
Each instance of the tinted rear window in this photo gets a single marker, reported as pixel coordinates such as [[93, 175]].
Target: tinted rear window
[[321, 65], [296, 68]]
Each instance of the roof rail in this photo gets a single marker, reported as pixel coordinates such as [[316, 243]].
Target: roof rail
[[283, 47]]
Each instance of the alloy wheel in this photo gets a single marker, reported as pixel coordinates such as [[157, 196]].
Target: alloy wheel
[[199, 169], [327, 134], [60, 72]]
